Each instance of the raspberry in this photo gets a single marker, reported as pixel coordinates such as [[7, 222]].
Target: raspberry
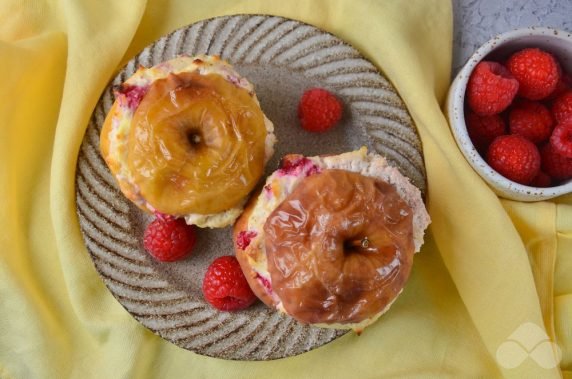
[[541, 180], [564, 85], [319, 110], [244, 237], [295, 164], [484, 129], [562, 107], [169, 239], [225, 286], [537, 72], [561, 139], [292, 163], [531, 120], [264, 282], [515, 158], [490, 89], [133, 94], [554, 164], [164, 216]]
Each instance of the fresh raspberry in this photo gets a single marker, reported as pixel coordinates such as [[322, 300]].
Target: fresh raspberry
[[541, 180], [531, 120], [484, 129], [491, 88], [164, 216], [561, 139], [554, 164], [537, 72], [169, 239], [562, 107], [319, 110], [515, 158], [225, 286], [564, 85]]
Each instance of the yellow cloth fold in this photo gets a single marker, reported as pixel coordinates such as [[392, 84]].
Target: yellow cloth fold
[[488, 266]]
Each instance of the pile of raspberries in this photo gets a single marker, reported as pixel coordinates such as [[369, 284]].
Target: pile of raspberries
[[519, 117]]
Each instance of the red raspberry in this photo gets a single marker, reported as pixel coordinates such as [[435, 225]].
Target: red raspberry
[[561, 139], [133, 94], [554, 164], [164, 216], [295, 164], [225, 286], [564, 85], [491, 88], [537, 72], [515, 158], [541, 180], [562, 107], [244, 237], [319, 110], [484, 129], [169, 239], [531, 120]]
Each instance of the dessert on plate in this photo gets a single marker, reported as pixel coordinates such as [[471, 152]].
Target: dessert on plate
[[329, 240], [188, 138]]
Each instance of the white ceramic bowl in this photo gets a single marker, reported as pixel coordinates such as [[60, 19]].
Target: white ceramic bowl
[[557, 42]]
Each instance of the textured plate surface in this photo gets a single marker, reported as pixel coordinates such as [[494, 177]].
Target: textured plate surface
[[281, 58]]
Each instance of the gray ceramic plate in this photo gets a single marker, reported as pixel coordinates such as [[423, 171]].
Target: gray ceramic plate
[[282, 58]]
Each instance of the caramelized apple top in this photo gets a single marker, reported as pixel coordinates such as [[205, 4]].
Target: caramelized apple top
[[339, 247], [196, 144]]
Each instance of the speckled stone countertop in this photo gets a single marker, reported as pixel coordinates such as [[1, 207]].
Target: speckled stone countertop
[[476, 21]]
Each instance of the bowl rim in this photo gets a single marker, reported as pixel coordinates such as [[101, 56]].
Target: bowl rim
[[455, 111]]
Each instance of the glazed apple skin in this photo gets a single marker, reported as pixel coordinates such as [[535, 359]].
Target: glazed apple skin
[[116, 131], [197, 144], [339, 247], [249, 234]]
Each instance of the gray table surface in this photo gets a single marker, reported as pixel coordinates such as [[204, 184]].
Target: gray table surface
[[476, 21]]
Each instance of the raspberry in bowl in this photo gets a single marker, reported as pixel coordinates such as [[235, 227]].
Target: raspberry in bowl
[[508, 110]]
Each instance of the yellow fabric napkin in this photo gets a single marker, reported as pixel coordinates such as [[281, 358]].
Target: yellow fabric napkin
[[488, 266]]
